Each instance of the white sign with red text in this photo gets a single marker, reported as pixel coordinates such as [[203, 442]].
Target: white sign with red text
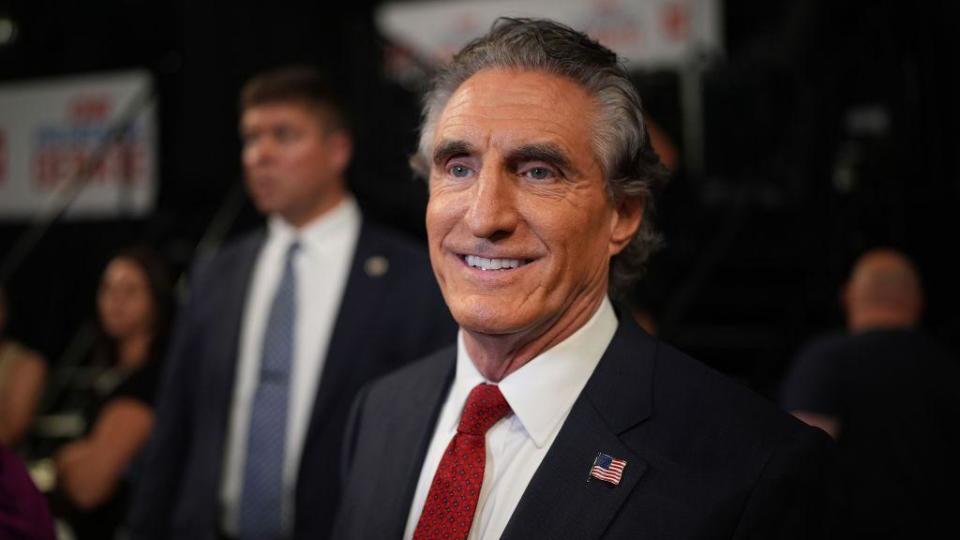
[[647, 33], [50, 130]]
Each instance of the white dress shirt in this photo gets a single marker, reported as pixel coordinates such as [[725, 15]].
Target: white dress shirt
[[321, 265], [540, 394]]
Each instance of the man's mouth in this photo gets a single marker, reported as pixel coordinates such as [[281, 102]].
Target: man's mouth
[[493, 264]]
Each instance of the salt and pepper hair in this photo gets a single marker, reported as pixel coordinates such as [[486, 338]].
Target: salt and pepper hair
[[631, 168]]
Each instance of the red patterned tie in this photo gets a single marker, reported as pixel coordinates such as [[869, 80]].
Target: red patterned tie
[[452, 499]]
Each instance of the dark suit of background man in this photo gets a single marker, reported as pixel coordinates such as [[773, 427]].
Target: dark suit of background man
[[281, 329], [554, 416], [890, 397]]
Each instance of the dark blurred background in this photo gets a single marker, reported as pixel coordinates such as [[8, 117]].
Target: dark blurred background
[[829, 128]]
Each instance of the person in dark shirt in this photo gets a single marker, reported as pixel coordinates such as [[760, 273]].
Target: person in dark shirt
[[94, 473], [891, 398]]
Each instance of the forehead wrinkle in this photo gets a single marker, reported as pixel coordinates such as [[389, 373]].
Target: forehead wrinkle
[[489, 112], [535, 108], [482, 136], [548, 94], [465, 132], [531, 85]]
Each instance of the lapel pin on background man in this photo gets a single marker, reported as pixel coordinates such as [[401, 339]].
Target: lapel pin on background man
[[280, 331], [541, 179]]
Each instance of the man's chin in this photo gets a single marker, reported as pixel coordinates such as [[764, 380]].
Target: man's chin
[[264, 206], [489, 320]]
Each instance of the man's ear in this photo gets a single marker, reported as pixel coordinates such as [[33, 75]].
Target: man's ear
[[844, 297], [341, 149], [627, 217]]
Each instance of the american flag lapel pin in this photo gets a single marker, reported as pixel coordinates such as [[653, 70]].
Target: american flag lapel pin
[[607, 468]]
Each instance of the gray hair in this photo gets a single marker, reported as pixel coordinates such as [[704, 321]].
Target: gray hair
[[631, 167]]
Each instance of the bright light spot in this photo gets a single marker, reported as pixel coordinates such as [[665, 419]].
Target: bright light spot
[[8, 31]]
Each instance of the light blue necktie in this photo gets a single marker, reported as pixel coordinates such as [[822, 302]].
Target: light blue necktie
[[262, 492]]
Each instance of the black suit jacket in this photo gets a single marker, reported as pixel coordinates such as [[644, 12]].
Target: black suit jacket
[[706, 458], [384, 322]]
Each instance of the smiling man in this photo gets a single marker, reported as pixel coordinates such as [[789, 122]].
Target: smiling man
[[554, 416]]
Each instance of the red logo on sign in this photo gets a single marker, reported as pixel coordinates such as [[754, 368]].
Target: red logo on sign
[[90, 108], [676, 21], [123, 162]]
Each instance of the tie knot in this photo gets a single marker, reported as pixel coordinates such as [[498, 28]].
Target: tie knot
[[485, 406], [293, 248]]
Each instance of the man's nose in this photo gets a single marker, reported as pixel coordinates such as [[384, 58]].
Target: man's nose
[[493, 211], [259, 152]]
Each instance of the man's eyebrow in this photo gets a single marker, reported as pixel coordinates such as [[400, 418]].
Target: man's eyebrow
[[546, 152], [447, 149]]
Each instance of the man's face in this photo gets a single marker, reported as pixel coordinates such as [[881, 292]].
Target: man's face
[[520, 227], [293, 166]]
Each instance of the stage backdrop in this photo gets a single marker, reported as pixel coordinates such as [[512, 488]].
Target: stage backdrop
[[56, 134]]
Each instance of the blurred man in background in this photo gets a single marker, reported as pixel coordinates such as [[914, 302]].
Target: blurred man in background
[[281, 329], [891, 398]]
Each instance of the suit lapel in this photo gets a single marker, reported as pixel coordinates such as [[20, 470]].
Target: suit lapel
[[361, 300], [415, 425], [560, 501], [226, 326]]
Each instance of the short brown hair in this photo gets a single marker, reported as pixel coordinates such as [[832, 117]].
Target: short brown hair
[[297, 83]]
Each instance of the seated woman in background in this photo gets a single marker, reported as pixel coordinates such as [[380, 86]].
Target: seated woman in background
[[94, 473], [22, 375]]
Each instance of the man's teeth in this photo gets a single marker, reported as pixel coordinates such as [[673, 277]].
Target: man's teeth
[[492, 264]]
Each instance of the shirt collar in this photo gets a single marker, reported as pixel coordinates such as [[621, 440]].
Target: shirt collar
[[542, 392], [319, 232]]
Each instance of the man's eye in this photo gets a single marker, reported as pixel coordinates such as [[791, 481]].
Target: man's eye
[[459, 171], [285, 135], [539, 173]]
